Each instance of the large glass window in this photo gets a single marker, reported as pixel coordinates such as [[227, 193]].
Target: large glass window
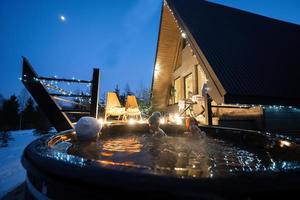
[[177, 90], [188, 86]]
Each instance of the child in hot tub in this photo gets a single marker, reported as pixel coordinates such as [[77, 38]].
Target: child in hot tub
[[193, 130], [154, 122]]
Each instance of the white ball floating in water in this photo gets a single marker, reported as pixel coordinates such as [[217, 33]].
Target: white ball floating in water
[[87, 128]]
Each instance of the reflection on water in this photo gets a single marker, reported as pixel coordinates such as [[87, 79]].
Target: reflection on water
[[172, 156], [5, 137], [128, 145], [178, 156]]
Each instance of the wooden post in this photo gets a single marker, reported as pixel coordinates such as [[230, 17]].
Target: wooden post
[[95, 93], [208, 111], [196, 89], [263, 119]]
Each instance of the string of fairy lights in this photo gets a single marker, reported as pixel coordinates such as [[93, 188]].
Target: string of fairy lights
[[184, 35], [265, 107], [52, 85]]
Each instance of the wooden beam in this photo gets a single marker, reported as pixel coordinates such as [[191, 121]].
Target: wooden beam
[[63, 80], [237, 107], [46, 103], [70, 95], [74, 111], [95, 93], [208, 111]]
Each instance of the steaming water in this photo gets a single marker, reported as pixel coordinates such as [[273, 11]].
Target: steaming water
[[177, 156]]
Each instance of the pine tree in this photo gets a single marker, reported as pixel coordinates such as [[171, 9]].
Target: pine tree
[[10, 113], [143, 97], [128, 90], [117, 91], [23, 98], [1, 101], [28, 115], [42, 124], [1, 116]]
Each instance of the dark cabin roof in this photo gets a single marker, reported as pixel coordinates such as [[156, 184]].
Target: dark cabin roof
[[255, 58]]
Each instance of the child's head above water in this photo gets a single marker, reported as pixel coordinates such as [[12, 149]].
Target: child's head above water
[[154, 119], [190, 121], [154, 122]]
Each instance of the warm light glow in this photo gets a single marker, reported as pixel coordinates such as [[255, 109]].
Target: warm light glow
[[100, 121], [183, 34], [123, 164], [141, 121], [157, 69], [162, 120], [106, 154], [178, 119], [128, 145], [181, 105], [284, 143], [175, 118], [132, 121]]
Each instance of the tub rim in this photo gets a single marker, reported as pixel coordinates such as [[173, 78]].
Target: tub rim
[[52, 170]]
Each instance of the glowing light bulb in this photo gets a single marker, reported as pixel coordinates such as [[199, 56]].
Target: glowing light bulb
[[100, 121], [178, 119], [132, 121], [156, 70], [183, 35], [284, 143]]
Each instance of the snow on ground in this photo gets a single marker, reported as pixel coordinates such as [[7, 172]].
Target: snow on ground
[[11, 171]]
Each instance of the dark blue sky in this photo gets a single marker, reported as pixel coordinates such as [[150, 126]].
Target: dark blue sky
[[118, 36]]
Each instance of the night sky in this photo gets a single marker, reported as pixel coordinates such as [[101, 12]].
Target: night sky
[[118, 36]]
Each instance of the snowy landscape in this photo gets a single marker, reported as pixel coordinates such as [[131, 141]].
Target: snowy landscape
[[12, 145]]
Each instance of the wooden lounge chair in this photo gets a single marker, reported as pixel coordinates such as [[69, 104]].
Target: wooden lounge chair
[[113, 106], [132, 107]]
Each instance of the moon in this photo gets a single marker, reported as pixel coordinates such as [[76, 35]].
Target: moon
[[62, 18]]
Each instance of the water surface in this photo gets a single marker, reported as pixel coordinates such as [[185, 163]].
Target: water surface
[[178, 156]]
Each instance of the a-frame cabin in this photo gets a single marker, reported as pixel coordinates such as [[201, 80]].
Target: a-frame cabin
[[246, 63]]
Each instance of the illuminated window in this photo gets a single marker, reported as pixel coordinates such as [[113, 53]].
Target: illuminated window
[[177, 90], [188, 86]]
